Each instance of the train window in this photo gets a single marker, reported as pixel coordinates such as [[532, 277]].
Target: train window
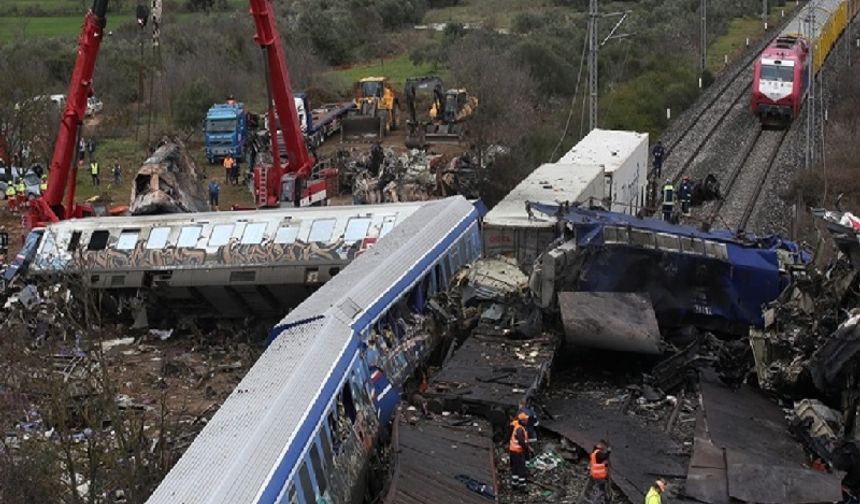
[[321, 230], [387, 225], [347, 402], [287, 234], [316, 462], [188, 236], [356, 229], [305, 484], [782, 73], [127, 239], [220, 235], [98, 240], [325, 443], [74, 241], [253, 234], [157, 238], [292, 498]]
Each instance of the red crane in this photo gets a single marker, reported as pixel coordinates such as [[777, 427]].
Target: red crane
[[290, 183], [62, 176]]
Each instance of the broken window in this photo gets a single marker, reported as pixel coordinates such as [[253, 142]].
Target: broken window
[[188, 236], [321, 230], [325, 443], [98, 240], [387, 225], [254, 233], [287, 234], [292, 497], [316, 463], [347, 402], [220, 235], [127, 239], [356, 229], [157, 238], [74, 241], [305, 484]]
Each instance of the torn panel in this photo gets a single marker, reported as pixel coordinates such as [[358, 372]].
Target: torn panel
[[611, 321]]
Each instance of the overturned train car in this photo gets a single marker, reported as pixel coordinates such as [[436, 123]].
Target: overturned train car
[[714, 280], [232, 264], [303, 424]]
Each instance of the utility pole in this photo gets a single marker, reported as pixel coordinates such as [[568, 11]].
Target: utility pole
[[593, 49], [703, 39], [764, 14]]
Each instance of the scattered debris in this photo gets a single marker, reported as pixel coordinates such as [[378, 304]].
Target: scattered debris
[[168, 182]]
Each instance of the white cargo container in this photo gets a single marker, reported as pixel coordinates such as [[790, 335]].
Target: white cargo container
[[508, 228], [624, 158]]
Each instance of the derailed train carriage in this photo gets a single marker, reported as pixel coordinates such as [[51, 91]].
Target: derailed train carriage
[[232, 264], [304, 422]]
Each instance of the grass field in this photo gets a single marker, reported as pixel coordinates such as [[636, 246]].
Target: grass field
[[39, 27], [397, 69], [734, 41]]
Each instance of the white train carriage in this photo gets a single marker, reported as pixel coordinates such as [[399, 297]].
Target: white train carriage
[[303, 423], [229, 263]]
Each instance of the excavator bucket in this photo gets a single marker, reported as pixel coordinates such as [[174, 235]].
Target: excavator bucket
[[362, 128], [445, 133]]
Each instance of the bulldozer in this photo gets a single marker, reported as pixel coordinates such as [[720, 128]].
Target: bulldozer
[[435, 115], [375, 112]]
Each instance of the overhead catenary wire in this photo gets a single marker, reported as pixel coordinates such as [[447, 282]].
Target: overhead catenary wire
[[572, 100]]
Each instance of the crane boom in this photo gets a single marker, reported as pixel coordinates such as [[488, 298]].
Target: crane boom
[[61, 178], [299, 161]]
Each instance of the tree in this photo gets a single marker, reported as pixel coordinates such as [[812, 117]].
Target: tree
[[191, 104]]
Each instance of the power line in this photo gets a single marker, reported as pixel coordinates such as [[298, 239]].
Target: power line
[[572, 101]]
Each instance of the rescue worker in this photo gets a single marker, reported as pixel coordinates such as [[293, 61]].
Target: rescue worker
[[668, 200], [228, 169], [517, 450], [4, 245], [21, 189], [94, 172], [654, 495], [376, 158], [659, 153], [43, 184], [117, 172], [214, 192], [531, 428], [686, 195], [11, 197], [597, 488]]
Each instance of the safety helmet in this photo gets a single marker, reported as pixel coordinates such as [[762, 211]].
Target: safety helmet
[[668, 181], [522, 416]]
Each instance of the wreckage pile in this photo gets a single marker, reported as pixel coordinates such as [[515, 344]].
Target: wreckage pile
[[168, 182], [95, 411], [385, 177]]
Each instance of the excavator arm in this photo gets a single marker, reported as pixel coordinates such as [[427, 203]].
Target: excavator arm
[[62, 176]]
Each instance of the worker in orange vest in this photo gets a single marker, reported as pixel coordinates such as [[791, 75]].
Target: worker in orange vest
[[228, 169], [597, 488], [518, 450]]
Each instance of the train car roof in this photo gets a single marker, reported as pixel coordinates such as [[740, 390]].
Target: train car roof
[[608, 148], [248, 449], [799, 25]]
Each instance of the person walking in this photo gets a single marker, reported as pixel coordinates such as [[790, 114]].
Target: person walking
[[597, 488], [82, 148], [659, 154], [117, 172], [655, 493], [228, 169], [686, 195], [91, 148], [517, 451], [668, 200], [94, 173], [214, 193]]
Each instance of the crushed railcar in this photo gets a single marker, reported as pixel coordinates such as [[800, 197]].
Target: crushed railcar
[[232, 264], [714, 280], [303, 424]]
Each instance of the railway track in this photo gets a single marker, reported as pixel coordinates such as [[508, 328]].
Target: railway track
[[747, 179]]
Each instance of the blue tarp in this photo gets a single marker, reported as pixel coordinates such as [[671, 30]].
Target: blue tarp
[[685, 288]]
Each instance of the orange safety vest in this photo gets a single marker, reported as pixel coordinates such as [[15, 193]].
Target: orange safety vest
[[228, 162], [598, 471], [514, 445]]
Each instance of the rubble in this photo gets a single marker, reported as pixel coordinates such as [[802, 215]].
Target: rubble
[[168, 182]]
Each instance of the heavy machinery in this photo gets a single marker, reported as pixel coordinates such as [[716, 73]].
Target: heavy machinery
[[49, 206], [375, 111], [298, 180], [435, 115]]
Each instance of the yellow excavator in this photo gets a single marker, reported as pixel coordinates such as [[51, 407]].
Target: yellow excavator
[[434, 114], [375, 112]]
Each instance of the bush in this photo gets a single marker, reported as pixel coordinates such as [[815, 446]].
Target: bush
[[191, 103]]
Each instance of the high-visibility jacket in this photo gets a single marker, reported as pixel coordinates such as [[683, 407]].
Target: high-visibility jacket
[[514, 446], [228, 162], [43, 186], [598, 470], [10, 191], [653, 496], [21, 188], [94, 168], [668, 194]]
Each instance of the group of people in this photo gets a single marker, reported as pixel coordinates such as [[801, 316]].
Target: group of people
[[521, 447], [231, 170], [17, 191], [684, 195]]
